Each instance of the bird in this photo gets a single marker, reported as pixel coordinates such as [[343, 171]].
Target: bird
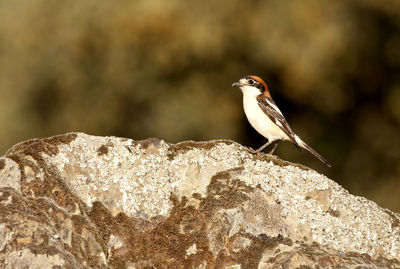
[[265, 116]]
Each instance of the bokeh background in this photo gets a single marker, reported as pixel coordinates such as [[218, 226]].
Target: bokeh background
[[156, 68]]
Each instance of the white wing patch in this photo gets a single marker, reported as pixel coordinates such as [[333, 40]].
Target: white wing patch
[[274, 106], [273, 112]]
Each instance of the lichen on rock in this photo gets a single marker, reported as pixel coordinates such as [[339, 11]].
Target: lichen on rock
[[79, 201]]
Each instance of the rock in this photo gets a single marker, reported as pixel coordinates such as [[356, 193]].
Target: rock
[[80, 201]]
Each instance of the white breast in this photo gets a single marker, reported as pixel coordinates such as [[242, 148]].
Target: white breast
[[259, 120]]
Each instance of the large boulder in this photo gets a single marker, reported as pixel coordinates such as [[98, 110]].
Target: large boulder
[[79, 201]]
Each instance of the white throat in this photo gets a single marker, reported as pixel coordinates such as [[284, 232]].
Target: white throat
[[249, 91]]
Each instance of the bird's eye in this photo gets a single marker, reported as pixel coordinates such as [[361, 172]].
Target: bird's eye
[[251, 82]]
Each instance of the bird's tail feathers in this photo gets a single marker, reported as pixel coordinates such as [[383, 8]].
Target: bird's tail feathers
[[302, 144]]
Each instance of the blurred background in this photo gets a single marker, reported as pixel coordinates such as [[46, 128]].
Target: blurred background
[[164, 69]]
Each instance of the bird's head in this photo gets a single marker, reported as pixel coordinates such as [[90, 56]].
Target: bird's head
[[252, 85]]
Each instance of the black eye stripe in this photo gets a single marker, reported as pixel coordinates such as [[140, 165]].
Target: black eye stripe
[[255, 83], [259, 86]]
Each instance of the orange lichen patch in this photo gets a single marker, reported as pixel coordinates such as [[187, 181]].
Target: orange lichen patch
[[24, 240], [182, 147], [49, 184], [34, 147], [40, 225], [61, 139], [2, 164], [276, 160], [102, 150], [168, 242], [231, 223]]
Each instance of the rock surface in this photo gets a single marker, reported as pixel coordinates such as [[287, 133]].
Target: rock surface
[[80, 201]]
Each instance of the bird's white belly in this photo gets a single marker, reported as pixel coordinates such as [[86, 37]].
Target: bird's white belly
[[260, 121]]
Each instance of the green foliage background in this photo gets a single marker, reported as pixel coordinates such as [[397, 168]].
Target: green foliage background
[[164, 69]]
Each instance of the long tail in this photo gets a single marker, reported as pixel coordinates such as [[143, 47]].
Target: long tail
[[302, 144]]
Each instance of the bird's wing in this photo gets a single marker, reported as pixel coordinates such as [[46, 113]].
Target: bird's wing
[[271, 109]]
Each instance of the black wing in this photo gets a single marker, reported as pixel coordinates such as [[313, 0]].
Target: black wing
[[271, 109]]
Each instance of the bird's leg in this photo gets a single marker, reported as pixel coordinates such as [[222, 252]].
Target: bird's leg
[[274, 147], [262, 147], [275, 144], [252, 151]]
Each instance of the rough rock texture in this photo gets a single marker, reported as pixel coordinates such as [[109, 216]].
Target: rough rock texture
[[79, 201]]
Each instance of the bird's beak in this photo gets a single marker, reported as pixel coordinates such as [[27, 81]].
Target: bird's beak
[[237, 84]]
